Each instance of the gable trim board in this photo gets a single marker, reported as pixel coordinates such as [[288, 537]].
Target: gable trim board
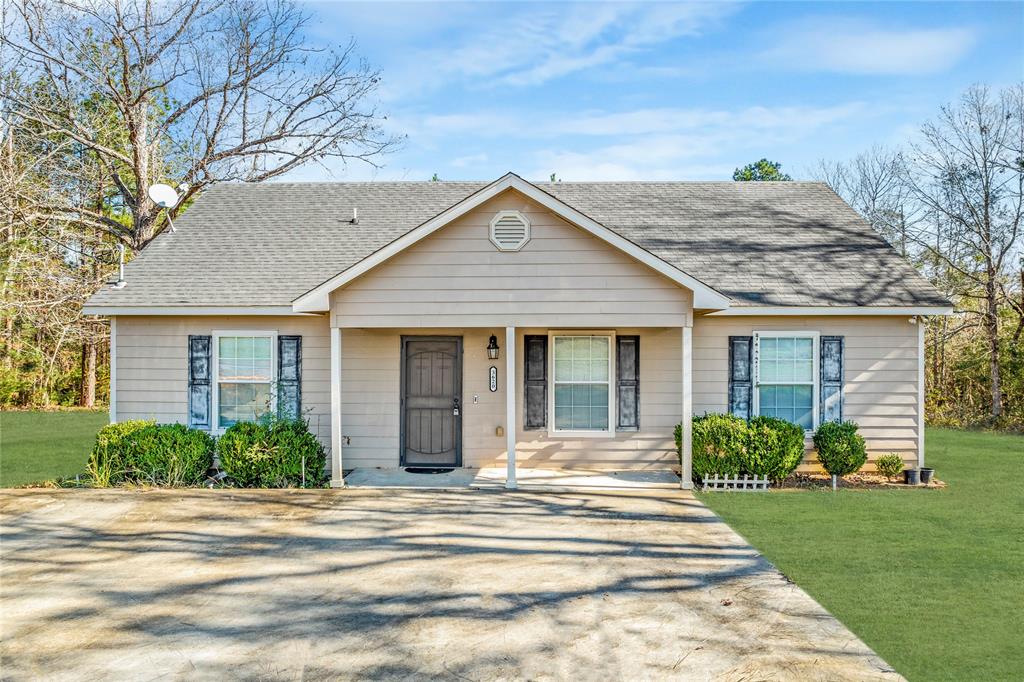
[[831, 310], [260, 311], [704, 297], [287, 311]]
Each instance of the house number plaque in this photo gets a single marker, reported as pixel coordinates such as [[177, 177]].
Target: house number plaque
[[494, 379]]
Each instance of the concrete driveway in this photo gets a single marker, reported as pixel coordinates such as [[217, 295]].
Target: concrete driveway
[[471, 585]]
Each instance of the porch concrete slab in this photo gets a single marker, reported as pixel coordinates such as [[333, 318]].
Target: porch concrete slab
[[568, 480], [551, 480], [400, 478], [399, 584]]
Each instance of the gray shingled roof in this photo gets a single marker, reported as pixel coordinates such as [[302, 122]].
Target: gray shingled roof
[[770, 244]]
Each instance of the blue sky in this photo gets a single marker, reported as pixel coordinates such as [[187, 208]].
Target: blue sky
[[615, 91]]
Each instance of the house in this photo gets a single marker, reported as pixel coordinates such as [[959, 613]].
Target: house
[[564, 324]]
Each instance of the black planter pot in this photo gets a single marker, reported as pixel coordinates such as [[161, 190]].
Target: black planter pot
[[926, 475], [911, 476]]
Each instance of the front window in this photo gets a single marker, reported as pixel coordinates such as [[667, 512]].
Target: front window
[[245, 373], [582, 371], [786, 371]]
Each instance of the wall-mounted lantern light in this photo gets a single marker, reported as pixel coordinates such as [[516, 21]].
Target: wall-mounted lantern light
[[492, 348]]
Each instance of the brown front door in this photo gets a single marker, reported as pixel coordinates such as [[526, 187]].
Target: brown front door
[[431, 401]]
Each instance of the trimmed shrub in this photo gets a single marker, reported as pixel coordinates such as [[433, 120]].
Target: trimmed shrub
[[890, 465], [774, 448], [143, 452], [841, 449], [268, 454], [170, 455], [718, 444], [727, 445]]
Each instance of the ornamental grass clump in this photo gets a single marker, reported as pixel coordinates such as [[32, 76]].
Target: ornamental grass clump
[[271, 454], [841, 449], [890, 465], [107, 460]]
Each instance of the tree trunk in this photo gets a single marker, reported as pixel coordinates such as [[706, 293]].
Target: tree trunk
[[1020, 316], [88, 395], [8, 341], [992, 330]]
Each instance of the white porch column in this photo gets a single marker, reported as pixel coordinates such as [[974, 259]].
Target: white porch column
[[113, 370], [686, 480], [510, 406], [920, 391], [337, 479]]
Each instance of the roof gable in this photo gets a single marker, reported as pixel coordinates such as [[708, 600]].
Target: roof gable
[[562, 277], [704, 297]]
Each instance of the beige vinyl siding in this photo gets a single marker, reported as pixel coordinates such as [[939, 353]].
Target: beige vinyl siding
[[152, 364], [371, 410], [370, 380], [562, 277], [881, 371]]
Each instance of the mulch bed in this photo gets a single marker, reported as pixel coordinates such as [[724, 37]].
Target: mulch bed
[[863, 481]]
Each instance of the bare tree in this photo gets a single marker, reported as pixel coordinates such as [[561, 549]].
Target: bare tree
[[967, 171], [184, 91], [875, 184], [952, 204]]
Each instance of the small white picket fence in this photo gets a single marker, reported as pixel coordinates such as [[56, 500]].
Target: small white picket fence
[[735, 483]]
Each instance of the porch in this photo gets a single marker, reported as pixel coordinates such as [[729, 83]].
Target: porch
[[393, 390]]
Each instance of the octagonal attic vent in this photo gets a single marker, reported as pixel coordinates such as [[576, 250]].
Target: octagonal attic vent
[[510, 230]]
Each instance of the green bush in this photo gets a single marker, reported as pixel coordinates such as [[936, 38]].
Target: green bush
[[115, 434], [727, 445], [841, 449], [718, 442], [269, 454], [889, 465], [774, 448], [106, 461], [143, 452]]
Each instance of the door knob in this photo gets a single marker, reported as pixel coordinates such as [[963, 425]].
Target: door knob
[[455, 409]]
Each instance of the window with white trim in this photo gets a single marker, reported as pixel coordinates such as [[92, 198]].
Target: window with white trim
[[582, 383], [786, 366], [245, 366]]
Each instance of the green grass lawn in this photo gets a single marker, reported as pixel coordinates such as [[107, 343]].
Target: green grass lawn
[[36, 446], [932, 580]]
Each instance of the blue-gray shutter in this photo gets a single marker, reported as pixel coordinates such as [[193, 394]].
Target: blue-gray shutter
[[831, 389], [289, 377], [535, 374], [627, 382], [199, 384], [741, 385]]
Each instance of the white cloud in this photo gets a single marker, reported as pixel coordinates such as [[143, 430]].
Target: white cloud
[[656, 144], [645, 143], [542, 42], [856, 47], [600, 165], [525, 122]]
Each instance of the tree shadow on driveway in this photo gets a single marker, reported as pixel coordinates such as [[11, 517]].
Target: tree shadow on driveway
[[357, 584]]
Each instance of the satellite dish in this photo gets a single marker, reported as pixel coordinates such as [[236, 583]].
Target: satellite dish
[[163, 196]]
